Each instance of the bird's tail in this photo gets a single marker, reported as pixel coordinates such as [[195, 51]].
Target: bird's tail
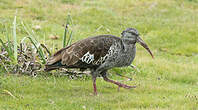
[[54, 62], [53, 66]]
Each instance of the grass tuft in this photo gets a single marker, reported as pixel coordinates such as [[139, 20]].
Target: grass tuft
[[36, 44], [67, 31]]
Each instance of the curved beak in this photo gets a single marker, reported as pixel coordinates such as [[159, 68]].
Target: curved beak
[[142, 43]]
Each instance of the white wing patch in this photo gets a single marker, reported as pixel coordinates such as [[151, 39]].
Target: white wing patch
[[87, 58]]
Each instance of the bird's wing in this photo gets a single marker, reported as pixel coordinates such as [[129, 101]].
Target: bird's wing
[[90, 51]]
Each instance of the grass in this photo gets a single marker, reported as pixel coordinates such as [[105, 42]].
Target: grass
[[15, 40], [168, 82]]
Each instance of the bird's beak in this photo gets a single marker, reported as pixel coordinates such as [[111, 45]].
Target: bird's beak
[[141, 42]]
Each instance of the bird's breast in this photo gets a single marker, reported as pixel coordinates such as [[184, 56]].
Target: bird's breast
[[126, 57], [119, 56]]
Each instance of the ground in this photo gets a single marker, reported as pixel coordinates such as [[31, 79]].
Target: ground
[[169, 81]]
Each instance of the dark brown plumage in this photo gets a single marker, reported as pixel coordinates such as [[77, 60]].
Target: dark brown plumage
[[99, 54], [70, 56]]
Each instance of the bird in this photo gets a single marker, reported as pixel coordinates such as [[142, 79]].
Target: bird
[[99, 54]]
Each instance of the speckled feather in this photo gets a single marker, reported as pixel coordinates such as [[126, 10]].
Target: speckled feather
[[69, 57]]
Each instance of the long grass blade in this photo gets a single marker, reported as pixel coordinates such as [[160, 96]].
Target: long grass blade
[[9, 93], [10, 52], [68, 20], [65, 36], [4, 46], [39, 50], [15, 40], [46, 49], [70, 38]]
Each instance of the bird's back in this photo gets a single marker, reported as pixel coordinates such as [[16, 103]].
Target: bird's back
[[87, 53]]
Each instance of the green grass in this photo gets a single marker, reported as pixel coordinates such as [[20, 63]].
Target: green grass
[[167, 82]]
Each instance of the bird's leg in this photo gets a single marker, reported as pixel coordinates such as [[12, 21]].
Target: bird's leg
[[94, 84], [117, 83]]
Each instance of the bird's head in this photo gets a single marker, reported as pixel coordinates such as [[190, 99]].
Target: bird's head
[[133, 35]]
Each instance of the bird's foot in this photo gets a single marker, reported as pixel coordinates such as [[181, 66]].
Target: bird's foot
[[118, 83], [126, 86]]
